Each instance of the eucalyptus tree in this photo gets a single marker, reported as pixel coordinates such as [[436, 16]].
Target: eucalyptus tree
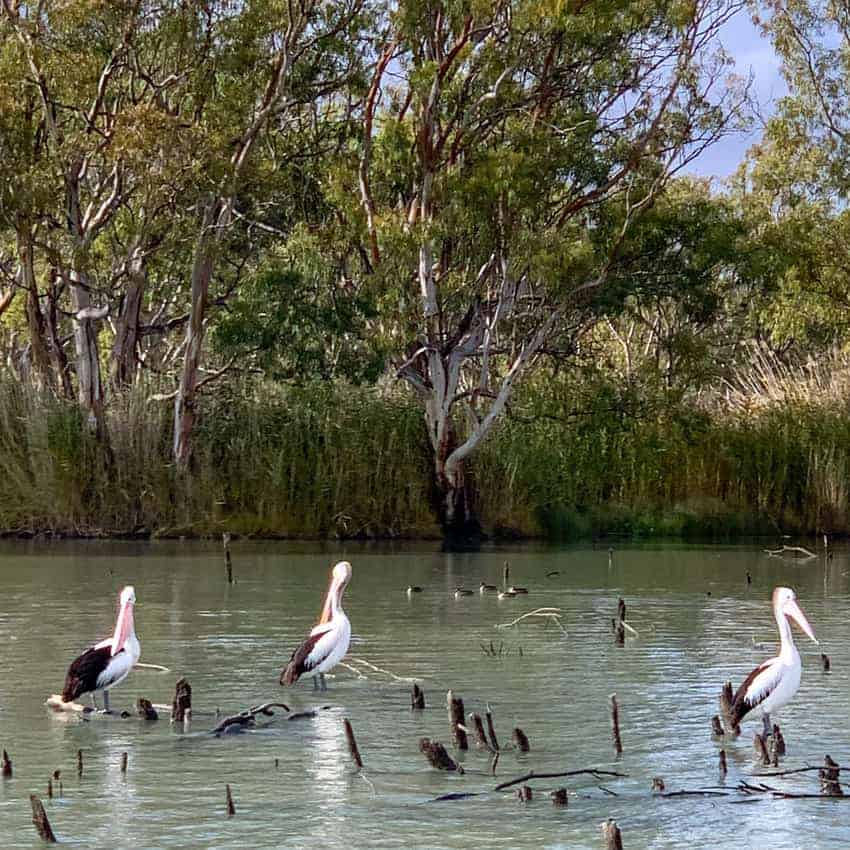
[[507, 148]]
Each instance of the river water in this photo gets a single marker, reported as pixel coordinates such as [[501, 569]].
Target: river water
[[294, 784]]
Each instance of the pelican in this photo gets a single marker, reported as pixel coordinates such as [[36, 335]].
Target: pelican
[[329, 638], [773, 684], [107, 663]]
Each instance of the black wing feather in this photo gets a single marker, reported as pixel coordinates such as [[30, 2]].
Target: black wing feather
[[741, 706], [83, 672], [298, 663]]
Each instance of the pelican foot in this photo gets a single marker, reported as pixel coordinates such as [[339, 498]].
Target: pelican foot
[[767, 726]]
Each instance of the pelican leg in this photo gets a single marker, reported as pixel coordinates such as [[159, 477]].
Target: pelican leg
[[106, 703], [315, 683], [93, 701], [322, 681], [768, 728]]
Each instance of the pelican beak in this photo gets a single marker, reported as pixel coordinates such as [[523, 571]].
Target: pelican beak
[[123, 627], [326, 608], [792, 610]]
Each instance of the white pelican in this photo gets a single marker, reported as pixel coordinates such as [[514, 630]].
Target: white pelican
[[107, 663], [773, 684], [329, 638]]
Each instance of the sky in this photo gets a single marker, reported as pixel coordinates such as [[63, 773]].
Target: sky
[[752, 53]]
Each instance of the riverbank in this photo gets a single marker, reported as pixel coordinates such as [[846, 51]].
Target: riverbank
[[335, 461]]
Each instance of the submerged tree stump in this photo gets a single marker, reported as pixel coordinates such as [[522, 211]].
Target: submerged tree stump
[[716, 727], [559, 797], [79, 763], [40, 821], [524, 794], [6, 766], [722, 764], [228, 564], [491, 729], [825, 662], [456, 717], [480, 735], [145, 709], [181, 707], [437, 756], [417, 698], [124, 763], [760, 748], [521, 740], [615, 725], [657, 785], [829, 778], [611, 835], [352, 743], [726, 699]]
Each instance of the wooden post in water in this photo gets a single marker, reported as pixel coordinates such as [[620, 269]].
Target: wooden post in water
[[491, 729], [40, 821], [181, 706], [124, 764], [56, 775], [480, 735], [521, 740], [726, 698], [559, 797], [437, 756], [524, 794], [352, 743], [657, 785], [716, 727], [417, 698], [723, 768], [50, 787], [829, 778], [760, 748], [506, 575], [825, 662], [79, 763], [231, 809], [228, 564], [456, 717], [615, 725], [6, 766], [611, 835], [145, 709]]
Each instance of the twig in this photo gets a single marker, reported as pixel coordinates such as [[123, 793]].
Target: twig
[[595, 773], [802, 550], [552, 614], [247, 718], [352, 743], [411, 679], [139, 665]]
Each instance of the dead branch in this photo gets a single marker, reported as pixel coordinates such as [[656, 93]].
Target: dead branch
[[590, 771], [247, 719]]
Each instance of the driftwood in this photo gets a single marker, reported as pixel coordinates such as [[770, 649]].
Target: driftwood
[[456, 717], [547, 613], [6, 766], [231, 809], [437, 756], [181, 707], [590, 771], [611, 835], [40, 821], [794, 770], [246, 719], [615, 725], [417, 697], [521, 740], [777, 744], [352, 743]]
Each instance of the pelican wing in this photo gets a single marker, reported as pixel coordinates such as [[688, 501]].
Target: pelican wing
[[756, 688], [309, 655], [84, 672]]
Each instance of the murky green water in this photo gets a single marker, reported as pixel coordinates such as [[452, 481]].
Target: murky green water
[[692, 607]]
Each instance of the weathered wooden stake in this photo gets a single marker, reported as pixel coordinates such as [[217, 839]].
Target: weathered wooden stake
[[79, 763], [124, 763], [778, 740], [181, 707], [228, 564], [761, 750], [277, 764], [352, 743], [716, 727], [524, 794], [50, 787], [40, 821], [726, 698], [231, 809], [829, 778], [480, 735], [491, 729], [6, 766], [456, 717], [559, 797], [437, 756], [506, 574], [621, 609], [723, 768], [611, 835], [615, 725], [145, 709], [56, 779], [825, 662], [657, 785], [521, 740], [417, 698]]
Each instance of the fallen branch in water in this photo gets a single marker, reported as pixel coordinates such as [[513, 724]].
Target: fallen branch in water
[[808, 554], [370, 666], [158, 667], [247, 719], [550, 614], [595, 773]]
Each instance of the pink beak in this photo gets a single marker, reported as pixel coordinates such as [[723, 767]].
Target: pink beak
[[792, 609], [123, 627]]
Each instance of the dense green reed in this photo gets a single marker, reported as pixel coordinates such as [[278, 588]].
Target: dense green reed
[[331, 460]]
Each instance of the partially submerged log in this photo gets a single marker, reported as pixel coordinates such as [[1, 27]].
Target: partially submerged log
[[456, 717], [437, 756], [247, 719], [6, 766], [417, 698], [181, 707], [40, 821], [352, 743], [611, 835], [585, 771]]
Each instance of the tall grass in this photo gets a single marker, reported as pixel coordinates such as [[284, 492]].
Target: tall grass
[[581, 456]]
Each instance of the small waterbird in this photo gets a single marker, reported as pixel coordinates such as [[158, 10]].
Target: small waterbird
[[107, 663], [486, 588], [413, 588], [514, 589], [773, 684], [462, 591], [507, 594], [329, 639]]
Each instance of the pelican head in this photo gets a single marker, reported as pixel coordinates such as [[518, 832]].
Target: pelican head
[[340, 576], [785, 603], [128, 596]]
